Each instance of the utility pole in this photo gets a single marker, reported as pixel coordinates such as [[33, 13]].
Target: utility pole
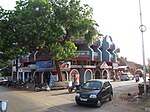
[[143, 29], [149, 70]]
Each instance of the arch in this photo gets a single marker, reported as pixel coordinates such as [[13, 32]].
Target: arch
[[105, 74], [98, 74], [45, 77], [88, 75], [72, 73]]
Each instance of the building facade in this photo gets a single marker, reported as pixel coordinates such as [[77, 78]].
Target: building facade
[[98, 60]]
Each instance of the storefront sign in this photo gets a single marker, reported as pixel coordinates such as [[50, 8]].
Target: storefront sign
[[24, 69], [44, 65]]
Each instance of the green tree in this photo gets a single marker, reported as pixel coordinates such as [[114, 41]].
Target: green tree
[[47, 25]]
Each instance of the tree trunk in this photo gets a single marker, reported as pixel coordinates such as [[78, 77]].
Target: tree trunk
[[58, 71]]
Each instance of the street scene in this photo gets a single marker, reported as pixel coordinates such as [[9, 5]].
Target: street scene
[[63, 101], [74, 56]]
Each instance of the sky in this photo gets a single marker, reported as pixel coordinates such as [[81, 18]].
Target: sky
[[119, 19]]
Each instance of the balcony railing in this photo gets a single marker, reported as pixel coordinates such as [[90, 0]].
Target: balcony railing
[[78, 40], [83, 53]]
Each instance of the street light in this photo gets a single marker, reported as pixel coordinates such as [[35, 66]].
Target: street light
[[143, 29]]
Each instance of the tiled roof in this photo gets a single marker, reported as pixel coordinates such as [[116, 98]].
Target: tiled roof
[[138, 65], [123, 62]]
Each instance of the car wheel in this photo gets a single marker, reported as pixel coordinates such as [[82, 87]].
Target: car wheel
[[110, 98], [78, 103], [99, 103]]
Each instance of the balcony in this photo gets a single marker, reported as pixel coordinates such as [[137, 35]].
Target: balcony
[[26, 58], [96, 53], [96, 43], [78, 40], [82, 55], [106, 56]]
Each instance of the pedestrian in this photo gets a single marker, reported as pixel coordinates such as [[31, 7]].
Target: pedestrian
[[137, 77], [75, 79], [76, 82]]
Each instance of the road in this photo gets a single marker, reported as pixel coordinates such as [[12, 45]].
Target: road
[[62, 101]]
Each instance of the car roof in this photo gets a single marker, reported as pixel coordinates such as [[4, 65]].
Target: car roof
[[100, 80]]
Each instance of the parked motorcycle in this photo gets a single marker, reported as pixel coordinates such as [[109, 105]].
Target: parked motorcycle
[[42, 87], [11, 83], [21, 85]]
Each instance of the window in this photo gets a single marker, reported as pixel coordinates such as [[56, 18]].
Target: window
[[92, 85]]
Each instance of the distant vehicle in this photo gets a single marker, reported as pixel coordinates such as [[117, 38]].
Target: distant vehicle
[[126, 76], [2, 80], [94, 92]]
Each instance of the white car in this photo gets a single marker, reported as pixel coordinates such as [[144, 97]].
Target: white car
[[126, 76]]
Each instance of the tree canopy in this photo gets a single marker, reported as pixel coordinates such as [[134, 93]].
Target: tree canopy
[[47, 24]]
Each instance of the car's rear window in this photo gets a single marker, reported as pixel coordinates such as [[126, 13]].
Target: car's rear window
[[92, 85]]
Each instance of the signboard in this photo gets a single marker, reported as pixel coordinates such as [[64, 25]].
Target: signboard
[[44, 65], [32, 66], [24, 69], [115, 65]]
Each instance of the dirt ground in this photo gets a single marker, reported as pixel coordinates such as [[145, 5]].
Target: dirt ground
[[130, 101]]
